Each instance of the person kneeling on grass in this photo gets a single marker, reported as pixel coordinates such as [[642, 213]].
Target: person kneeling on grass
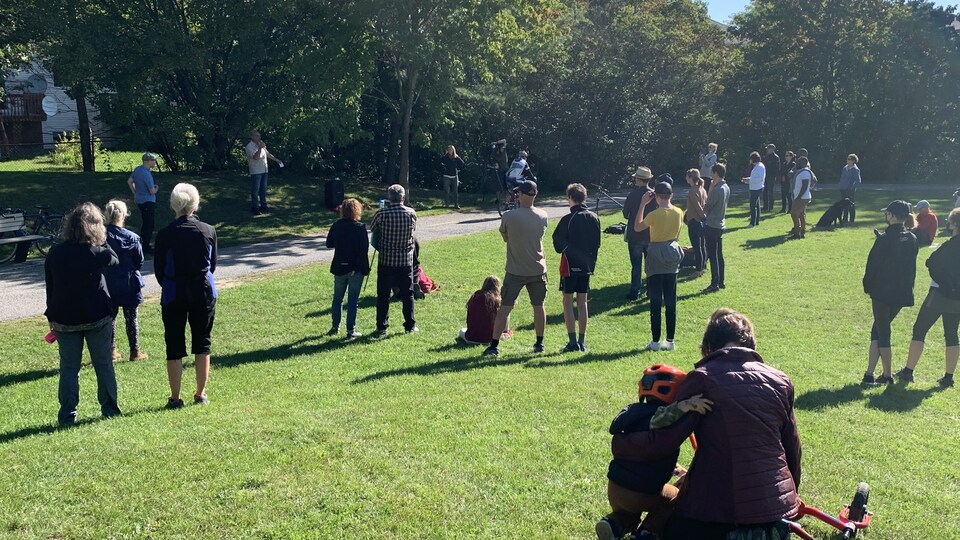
[[482, 313], [577, 239], [635, 487]]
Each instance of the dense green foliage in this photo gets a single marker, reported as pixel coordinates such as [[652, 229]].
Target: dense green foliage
[[367, 88]]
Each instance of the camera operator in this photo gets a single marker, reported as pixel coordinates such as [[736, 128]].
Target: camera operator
[[497, 159]]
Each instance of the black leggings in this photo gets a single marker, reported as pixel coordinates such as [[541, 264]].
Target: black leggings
[[929, 315], [662, 291], [132, 327], [713, 238], [883, 315]]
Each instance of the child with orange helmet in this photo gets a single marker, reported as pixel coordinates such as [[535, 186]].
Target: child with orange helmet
[[635, 487]]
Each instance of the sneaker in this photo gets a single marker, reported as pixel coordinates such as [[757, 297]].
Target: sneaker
[[668, 346], [137, 356], [571, 347], [353, 334], [173, 404], [255, 211], [381, 332], [632, 297], [412, 329], [711, 289], [904, 376], [946, 381], [333, 331], [653, 346], [722, 286], [491, 351], [583, 347], [868, 379], [116, 355], [201, 400], [884, 379], [538, 347], [605, 530], [264, 209]]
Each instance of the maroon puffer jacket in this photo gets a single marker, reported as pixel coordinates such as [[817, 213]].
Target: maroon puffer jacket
[[747, 468]]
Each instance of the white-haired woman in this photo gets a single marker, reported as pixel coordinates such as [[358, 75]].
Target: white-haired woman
[[79, 308], [186, 257], [124, 280]]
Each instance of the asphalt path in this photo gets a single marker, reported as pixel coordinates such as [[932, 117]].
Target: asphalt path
[[23, 294]]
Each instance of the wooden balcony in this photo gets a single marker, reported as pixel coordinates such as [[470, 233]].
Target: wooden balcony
[[22, 108]]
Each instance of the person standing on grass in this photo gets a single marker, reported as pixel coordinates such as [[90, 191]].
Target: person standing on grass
[[577, 239], [523, 229], [802, 181], [708, 160], [257, 156], [771, 164], [79, 309], [927, 224], [849, 182], [124, 280], [758, 175], [452, 163], [942, 301], [693, 217], [348, 238], [393, 226], [663, 262], [888, 279], [144, 191], [715, 210], [637, 242], [185, 262], [786, 181]]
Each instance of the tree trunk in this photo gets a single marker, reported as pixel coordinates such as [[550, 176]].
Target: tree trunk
[[390, 170], [413, 81], [86, 135], [4, 141]]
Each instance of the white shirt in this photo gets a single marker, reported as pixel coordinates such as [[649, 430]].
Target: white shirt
[[757, 175], [257, 166], [707, 163], [802, 174]]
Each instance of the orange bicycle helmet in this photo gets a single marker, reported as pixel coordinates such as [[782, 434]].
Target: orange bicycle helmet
[[661, 382]]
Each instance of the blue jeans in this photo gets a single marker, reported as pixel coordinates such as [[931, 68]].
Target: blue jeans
[[755, 196], [636, 251], [695, 229], [341, 284], [100, 344], [258, 188]]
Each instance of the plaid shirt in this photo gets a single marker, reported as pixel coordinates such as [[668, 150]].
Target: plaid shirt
[[395, 224]]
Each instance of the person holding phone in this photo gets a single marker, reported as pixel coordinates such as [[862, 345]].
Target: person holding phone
[[257, 156]]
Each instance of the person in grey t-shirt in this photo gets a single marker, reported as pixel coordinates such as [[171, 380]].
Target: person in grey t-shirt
[[522, 229], [715, 210]]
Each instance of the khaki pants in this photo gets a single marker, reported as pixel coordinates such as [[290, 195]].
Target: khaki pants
[[799, 213], [628, 508]]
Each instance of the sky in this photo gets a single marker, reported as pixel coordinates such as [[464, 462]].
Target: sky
[[723, 10]]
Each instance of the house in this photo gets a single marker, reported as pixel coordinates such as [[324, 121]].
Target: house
[[34, 111]]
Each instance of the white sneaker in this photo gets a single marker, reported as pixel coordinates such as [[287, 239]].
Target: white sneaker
[[668, 346], [653, 346]]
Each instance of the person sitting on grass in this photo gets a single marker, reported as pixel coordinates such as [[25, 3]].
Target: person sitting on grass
[[635, 487], [482, 310], [348, 238], [577, 239], [927, 224]]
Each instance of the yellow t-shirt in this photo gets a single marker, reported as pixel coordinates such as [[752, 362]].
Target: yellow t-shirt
[[664, 224]]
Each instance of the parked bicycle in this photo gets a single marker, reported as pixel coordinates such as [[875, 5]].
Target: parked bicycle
[[40, 229]]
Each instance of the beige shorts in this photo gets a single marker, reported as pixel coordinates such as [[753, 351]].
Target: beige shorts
[[513, 284]]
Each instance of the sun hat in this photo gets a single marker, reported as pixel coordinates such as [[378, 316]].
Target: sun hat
[[643, 173]]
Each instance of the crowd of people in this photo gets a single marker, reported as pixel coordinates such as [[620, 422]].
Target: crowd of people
[[746, 481]]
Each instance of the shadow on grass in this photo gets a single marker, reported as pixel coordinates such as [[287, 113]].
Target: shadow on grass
[[365, 302], [825, 398], [900, 398], [574, 359], [763, 243], [46, 429], [10, 379], [479, 220], [447, 366], [301, 347]]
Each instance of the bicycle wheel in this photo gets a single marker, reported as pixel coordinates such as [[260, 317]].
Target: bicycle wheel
[[7, 251], [50, 229]]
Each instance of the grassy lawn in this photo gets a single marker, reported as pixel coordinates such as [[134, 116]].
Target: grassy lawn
[[414, 436], [297, 201]]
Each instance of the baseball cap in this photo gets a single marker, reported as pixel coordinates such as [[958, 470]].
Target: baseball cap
[[898, 208], [149, 157], [771, 146], [922, 204], [665, 177], [527, 187], [663, 188]]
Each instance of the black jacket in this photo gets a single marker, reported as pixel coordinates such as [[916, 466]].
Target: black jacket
[[185, 260], [771, 162], [349, 239], [630, 207], [76, 289], [944, 266], [892, 267], [646, 476], [451, 166], [578, 235]]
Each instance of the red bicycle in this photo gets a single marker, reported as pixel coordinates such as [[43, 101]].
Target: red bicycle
[[852, 518]]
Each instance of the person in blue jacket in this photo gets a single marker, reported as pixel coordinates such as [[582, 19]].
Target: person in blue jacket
[[124, 280]]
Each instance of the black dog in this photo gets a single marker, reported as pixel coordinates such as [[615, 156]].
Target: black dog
[[832, 216]]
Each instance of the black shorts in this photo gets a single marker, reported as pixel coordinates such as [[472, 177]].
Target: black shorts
[[575, 284]]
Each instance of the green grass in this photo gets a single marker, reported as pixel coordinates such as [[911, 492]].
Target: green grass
[[108, 161], [416, 437], [297, 201]]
